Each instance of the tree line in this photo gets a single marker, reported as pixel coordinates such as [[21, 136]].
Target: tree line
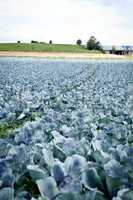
[[35, 42]]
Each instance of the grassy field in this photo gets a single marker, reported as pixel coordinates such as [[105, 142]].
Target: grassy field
[[40, 47]]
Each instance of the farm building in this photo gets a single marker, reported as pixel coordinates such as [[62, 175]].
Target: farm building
[[119, 50]]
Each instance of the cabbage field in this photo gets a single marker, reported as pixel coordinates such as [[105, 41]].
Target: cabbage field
[[66, 129]]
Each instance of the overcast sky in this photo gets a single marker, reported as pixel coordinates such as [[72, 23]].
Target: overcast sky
[[64, 21]]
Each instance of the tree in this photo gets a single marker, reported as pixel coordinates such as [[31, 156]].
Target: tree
[[79, 42], [18, 41], [50, 42], [113, 48], [93, 44]]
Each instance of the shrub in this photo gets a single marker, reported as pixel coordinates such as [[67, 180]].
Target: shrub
[[34, 41]]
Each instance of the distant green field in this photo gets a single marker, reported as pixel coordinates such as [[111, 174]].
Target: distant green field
[[40, 47]]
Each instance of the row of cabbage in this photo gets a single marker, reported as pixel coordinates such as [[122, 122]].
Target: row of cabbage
[[80, 144]]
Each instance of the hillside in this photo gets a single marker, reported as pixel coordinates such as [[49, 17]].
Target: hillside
[[43, 47]]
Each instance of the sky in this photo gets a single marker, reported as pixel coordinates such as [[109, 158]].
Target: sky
[[65, 21]]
